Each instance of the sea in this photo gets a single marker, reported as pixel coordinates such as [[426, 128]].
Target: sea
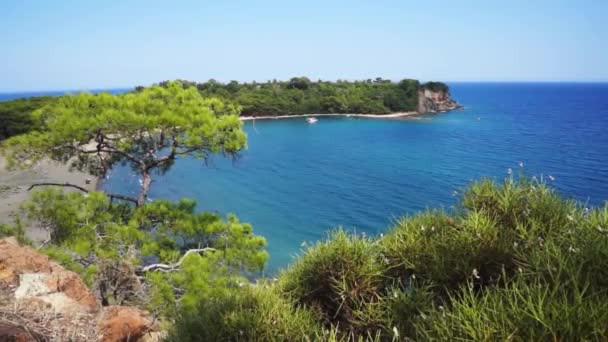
[[297, 181]]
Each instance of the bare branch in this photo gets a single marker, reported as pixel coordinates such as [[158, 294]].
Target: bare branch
[[58, 184], [112, 196], [174, 267]]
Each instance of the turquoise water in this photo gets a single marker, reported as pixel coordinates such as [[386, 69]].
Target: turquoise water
[[297, 181]]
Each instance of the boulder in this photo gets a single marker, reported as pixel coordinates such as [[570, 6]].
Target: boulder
[[31, 276], [123, 323]]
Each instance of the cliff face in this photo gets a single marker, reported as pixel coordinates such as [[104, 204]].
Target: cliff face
[[430, 101]]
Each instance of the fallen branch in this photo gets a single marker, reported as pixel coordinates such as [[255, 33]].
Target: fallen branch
[[70, 185], [175, 266], [58, 184]]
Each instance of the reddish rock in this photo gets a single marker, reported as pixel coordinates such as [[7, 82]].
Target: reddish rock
[[15, 260], [72, 286], [123, 323]]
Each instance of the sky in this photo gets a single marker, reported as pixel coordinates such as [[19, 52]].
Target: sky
[[95, 44]]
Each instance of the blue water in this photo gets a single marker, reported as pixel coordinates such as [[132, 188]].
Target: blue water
[[297, 181], [18, 95]]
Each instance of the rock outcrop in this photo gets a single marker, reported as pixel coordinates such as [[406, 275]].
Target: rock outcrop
[[438, 101], [41, 300], [123, 323]]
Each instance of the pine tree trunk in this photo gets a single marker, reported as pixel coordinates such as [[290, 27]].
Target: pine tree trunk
[[145, 187]]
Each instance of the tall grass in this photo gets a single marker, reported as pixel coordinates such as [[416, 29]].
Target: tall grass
[[514, 261]]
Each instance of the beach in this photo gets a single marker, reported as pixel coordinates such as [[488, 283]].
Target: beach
[[14, 184], [371, 116]]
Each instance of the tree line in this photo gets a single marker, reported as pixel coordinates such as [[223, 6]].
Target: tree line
[[299, 95]]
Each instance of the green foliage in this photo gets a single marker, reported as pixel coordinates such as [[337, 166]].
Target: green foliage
[[436, 87], [15, 230], [16, 115], [525, 310], [515, 261], [245, 314], [340, 280], [199, 251], [300, 95], [147, 129]]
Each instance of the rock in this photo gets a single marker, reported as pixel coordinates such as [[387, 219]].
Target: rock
[[123, 323], [435, 101], [16, 260], [49, 299], [29, 275]]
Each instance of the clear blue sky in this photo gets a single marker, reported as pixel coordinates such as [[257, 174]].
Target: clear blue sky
[[62, 44]]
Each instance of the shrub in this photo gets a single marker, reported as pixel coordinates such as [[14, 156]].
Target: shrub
[[245, 314], [340, 280]]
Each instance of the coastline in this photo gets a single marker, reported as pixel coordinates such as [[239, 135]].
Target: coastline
[[355, 115], [371, 116]]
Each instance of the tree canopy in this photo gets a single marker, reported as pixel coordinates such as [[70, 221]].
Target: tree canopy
[[147, 129], [16, 115], [300, 95]]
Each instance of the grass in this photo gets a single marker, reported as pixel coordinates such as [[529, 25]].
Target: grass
[[515, 261]]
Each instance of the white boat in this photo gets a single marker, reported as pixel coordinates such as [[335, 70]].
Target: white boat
[[311, 120]]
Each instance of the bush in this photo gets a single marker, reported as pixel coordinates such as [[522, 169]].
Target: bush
[[245, 314], [514, 261], [340, 281]]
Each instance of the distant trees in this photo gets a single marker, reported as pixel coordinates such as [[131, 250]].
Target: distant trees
[[16, 115], [300, 95], [436, 87]]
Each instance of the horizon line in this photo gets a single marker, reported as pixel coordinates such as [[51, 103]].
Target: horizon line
[[100, 89]]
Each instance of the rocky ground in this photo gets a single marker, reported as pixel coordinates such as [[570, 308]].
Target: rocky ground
[[42, 301]]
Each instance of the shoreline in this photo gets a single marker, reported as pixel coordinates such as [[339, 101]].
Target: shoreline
[[371, 116], [14, 185], [355, 115]]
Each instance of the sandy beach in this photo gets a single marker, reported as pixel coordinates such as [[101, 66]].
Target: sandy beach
[[371, 116], [14, 184]]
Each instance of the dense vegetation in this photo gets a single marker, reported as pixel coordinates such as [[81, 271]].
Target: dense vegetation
[[514, 262], [148, 130], [16, 115], [303, 96], [299, 95]]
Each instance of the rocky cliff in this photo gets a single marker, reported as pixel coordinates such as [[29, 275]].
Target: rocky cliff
[[435, 101]]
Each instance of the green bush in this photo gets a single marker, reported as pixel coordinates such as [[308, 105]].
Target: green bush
[[340, 281], [513, 261], [245, 314]]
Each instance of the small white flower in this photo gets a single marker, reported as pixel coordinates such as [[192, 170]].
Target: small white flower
[[396, 332], [572, 250], [551, 178], [509, 171], [521, 164], [570, 217], [303, 244], [395, 295], [475, 274], [413, 276], [455, 193], [432, 228], [520, 270], [515, 244], [422, 228]]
